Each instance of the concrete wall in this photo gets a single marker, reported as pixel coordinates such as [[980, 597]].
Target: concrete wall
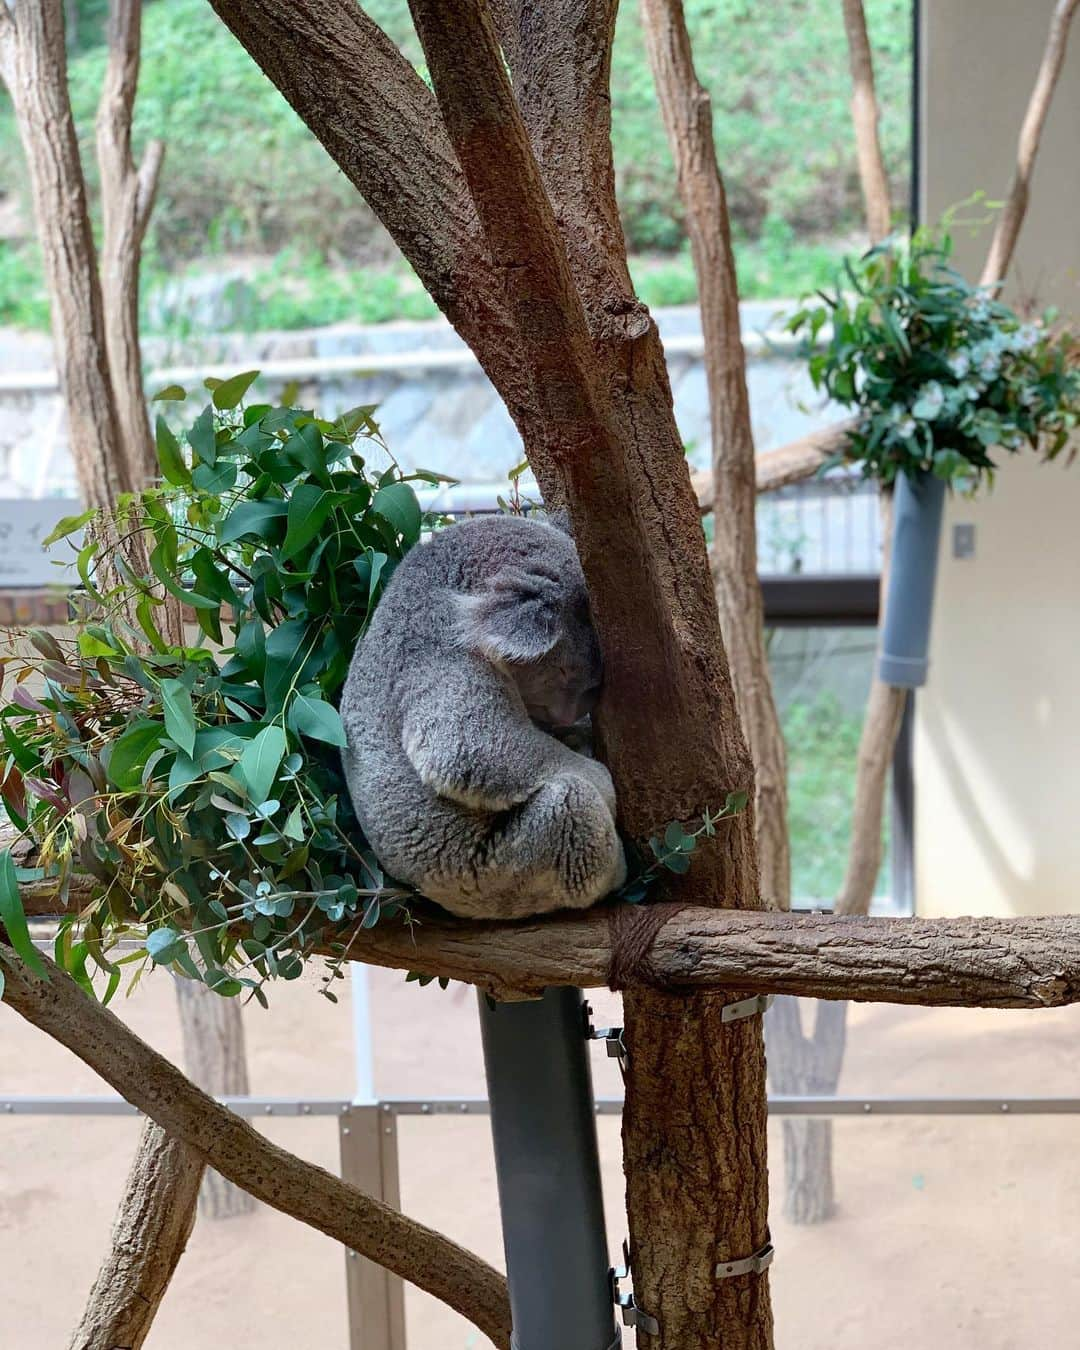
[[998, 725]]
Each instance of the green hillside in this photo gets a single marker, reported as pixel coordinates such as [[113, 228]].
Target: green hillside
[[243, 176]]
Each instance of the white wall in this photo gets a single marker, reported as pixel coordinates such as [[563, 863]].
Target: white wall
[[997, 751]]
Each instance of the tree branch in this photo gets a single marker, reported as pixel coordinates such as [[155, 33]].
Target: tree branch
[[937, 962], [1016, 203], [126, 199], [791, 463], [35, 70], [873, 179], [149, 1234], [229, 1144]]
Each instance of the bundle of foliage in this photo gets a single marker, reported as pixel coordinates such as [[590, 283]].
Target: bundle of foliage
[[940, 372], [200, 786]]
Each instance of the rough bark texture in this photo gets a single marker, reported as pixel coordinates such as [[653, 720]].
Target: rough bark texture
[[873, 179], [149, 1235], [687, 113], [559, 56], [946, 963], [127, 198], [216, 1059], [227, 1142], [33, 62], [1016, 203]]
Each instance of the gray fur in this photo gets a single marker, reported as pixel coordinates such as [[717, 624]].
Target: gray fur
[[482, 639]]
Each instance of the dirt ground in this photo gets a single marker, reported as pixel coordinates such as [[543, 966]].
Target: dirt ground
[[952, 1232]]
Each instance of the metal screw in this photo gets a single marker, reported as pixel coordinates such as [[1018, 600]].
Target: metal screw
[[425, 1109], [346, 1130], [388, 1130], [464, 1108], [269, 1110], [867, 1108], [305, 1109], [1004, 1106], [386, 1108], [352, 1256]]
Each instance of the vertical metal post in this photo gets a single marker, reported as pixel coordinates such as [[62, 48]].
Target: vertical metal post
[[543, 1121], [369, 1161]]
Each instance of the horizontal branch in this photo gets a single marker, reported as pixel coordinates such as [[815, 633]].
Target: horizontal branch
[[791, 463], [239, 1152], [959, 963]]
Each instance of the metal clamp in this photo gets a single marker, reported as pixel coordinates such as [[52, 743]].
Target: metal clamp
[[632, 1315], [612, 1038], [748, 1265], [747, 1007]]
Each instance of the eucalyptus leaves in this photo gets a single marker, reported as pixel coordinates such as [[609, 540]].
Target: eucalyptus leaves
[[199, 786], [940, 372]]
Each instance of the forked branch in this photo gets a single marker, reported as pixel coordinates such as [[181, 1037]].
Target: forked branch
[[228, 1143]]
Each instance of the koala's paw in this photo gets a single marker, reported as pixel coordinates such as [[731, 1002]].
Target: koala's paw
[[596, 775]]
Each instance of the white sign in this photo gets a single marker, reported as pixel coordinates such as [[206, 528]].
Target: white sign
[[24, 523]]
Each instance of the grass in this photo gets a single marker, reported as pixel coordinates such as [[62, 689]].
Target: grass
[[243, 175]]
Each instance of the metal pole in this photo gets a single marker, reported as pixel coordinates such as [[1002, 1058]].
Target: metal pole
[[369, 1160], [543, 1122]]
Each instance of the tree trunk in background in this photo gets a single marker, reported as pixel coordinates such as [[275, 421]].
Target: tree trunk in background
[[150, 1232], [865, 117], [127, 198], [33, 61], [215, 1059]]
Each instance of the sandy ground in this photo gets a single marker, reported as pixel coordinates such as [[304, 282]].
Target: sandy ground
[[952, 1232]]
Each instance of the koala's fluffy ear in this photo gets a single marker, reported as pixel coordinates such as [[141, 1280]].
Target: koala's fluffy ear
[[514, 618]]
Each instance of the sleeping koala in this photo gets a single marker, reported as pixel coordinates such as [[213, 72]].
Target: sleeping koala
[[481, 645]]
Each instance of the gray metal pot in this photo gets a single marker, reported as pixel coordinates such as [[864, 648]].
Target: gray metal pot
[[918, 509]]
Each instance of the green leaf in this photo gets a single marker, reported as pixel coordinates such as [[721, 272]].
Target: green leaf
[[184, 772], [131, 751], [260, 762], [202, 439], [396, 503], [160, 567], [735, 802], [162, 945], [251, 517], [229, 392], [309, 507], [172, 393], [67, 525], [315, 718], [179, 714], [13, 917], [293, 827], [215, 478], [677, 862], [170, 457]]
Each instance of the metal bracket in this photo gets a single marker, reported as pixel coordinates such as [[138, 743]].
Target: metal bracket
[[612, 1038], [748, 1265], [632, 1315], [748, 1007]]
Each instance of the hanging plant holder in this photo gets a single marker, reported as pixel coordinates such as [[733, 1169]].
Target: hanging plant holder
[[918, 510]]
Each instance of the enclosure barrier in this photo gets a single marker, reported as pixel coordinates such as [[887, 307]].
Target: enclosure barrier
[[368, 1139]]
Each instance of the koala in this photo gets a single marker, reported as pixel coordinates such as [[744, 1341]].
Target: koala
[[480, 648]]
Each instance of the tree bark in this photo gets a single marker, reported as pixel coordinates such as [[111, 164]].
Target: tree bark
[[659, 637], [149, 1235], [225, 1141], [1016, 202], [215, 1058], [865, 116], [127, 199], [33, 62]]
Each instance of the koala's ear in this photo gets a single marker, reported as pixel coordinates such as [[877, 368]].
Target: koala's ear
[[514, 618]]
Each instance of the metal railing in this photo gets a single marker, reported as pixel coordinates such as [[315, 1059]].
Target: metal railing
[[369, 1157]]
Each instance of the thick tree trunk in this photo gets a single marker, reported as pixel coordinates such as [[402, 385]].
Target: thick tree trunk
[[149, 1235], [216, 1060]]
